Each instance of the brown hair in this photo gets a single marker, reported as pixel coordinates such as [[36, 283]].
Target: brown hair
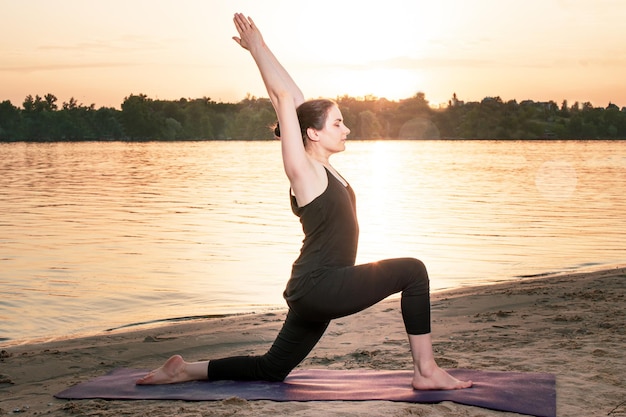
[[312, 114]]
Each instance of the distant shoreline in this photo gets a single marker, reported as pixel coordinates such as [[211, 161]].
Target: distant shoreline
[[277, 141], [144, 118]]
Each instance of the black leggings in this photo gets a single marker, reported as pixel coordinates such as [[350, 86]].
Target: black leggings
[[339, 293]]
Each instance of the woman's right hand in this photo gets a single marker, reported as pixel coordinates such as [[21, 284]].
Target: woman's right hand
[[249, 34]]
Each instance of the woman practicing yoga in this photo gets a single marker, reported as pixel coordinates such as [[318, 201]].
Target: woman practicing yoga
[[325, 284]]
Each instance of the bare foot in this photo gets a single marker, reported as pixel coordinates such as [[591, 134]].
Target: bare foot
[[172, 371], [438, 379]]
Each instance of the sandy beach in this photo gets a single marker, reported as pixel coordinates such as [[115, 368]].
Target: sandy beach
[[568, 325]]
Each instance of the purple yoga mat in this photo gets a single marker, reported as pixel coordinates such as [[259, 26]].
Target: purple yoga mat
[[519, 392]]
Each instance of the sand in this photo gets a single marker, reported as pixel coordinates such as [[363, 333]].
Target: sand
[[568, 325]]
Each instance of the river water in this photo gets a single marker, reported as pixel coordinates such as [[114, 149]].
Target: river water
[[105, 235]]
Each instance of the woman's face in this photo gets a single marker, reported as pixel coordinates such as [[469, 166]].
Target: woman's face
[[335, 132]]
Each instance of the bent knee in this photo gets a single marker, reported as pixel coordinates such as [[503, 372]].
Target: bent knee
[[417, 268], [275, 378], [418, 274], [269, 371]]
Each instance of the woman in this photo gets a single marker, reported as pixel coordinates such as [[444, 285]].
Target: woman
[[325, 284]]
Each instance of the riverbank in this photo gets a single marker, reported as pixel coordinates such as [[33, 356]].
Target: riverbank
[[570, 325]]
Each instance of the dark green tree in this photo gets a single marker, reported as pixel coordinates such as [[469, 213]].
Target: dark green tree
[[139, 118], [10, 122]]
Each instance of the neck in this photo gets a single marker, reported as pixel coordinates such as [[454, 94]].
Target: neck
[[321, 158]]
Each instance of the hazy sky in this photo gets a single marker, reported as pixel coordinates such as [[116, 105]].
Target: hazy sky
[[102, 51]]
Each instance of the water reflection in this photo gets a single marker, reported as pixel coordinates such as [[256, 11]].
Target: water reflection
[[99, 235]]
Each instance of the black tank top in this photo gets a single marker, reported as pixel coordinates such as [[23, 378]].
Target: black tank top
[[331, 235]]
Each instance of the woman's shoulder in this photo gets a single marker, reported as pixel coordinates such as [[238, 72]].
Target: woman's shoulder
[[308, 188]]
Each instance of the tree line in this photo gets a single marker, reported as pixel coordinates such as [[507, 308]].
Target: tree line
[[143, 118]]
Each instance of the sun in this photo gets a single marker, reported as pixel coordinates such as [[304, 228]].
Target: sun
[[389, 83], [378, 51]]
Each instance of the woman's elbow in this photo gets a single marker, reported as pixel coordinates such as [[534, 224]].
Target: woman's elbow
[[281, 96]]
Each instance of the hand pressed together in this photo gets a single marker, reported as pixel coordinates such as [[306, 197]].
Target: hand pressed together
[[249, 34]]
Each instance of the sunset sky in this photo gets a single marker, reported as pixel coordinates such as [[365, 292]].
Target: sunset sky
[[102, 51]]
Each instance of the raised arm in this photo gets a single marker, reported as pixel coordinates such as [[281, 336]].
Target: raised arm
[[285, 97], [275, 77]]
